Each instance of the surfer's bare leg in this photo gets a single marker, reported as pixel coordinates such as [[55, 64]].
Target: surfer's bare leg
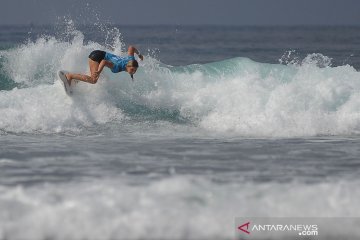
[[85, 78], [81, 77]]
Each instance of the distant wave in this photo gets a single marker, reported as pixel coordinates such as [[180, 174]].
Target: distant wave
[[235, 97]]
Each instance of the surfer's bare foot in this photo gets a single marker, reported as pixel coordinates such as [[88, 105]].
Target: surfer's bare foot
[[68, 78]]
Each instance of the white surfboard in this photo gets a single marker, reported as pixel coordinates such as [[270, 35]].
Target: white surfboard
[[67, 87]]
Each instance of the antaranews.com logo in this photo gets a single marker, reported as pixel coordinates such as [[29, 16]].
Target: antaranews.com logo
[[255, 228], [302, 230]]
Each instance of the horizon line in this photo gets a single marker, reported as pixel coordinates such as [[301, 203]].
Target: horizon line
[[184, 25]]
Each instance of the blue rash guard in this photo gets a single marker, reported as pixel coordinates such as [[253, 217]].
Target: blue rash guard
[[119, 62]]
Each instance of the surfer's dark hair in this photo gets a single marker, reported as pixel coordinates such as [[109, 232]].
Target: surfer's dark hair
[[133, 63]]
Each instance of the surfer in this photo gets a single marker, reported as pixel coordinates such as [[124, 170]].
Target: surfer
[[99, 59]]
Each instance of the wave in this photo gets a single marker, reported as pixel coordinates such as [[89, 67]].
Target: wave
[[179, 207], [237, 96]]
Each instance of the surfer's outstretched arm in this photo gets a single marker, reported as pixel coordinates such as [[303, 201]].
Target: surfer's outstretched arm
[[132, 50]]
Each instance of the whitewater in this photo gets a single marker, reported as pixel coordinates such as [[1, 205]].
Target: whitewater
[[179, 152]]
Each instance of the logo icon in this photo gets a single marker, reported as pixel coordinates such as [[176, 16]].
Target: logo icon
[[245, 228]]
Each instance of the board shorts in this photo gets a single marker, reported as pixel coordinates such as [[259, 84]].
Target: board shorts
[[97, 55]]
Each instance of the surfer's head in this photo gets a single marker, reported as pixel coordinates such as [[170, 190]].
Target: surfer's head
[[132, 66]]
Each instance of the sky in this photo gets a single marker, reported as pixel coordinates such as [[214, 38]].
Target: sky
[[183, 12]]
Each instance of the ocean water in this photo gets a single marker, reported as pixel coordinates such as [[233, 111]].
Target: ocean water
[[220, 123]]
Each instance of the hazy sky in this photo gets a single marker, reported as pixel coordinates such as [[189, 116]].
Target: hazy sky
[[223, 12]]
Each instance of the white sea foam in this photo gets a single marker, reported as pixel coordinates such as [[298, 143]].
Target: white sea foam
[[172, 208]]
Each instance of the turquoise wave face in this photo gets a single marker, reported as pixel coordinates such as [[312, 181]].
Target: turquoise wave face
[[236, 96], [6, 83]]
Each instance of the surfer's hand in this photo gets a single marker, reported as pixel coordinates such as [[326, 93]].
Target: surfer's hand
[[141, 57]]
